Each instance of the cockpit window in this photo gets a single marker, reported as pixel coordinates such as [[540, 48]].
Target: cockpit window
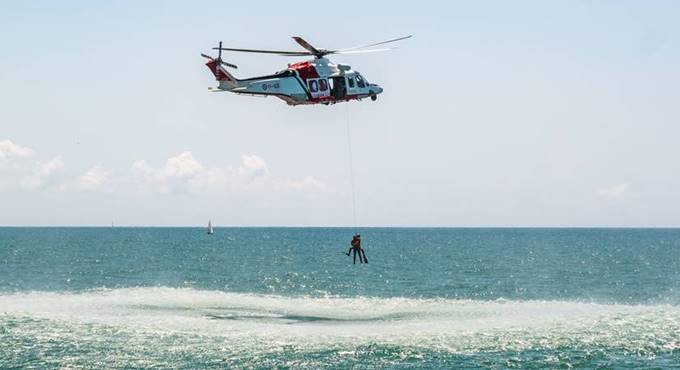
[[350, 80], [360, 81]]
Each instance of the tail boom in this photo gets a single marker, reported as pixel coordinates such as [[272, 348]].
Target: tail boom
[[221, 74]]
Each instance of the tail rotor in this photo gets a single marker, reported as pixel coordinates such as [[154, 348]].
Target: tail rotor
[[219, 58], [215, 66]]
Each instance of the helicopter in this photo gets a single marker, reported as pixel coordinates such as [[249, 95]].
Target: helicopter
[[316, 81]]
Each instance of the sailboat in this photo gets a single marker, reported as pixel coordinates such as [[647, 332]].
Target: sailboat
[[210, 229]]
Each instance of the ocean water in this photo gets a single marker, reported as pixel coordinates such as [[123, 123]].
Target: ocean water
[[289, 298]]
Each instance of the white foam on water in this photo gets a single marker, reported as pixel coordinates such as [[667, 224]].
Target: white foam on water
[[455, 325]]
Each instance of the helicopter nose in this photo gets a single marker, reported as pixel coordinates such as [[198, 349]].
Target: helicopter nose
[[376, 89]]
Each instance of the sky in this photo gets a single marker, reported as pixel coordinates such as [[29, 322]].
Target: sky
[[496, 113]]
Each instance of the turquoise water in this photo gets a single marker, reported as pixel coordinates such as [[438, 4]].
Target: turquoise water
[[288, 297]]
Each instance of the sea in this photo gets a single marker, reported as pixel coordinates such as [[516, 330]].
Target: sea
[[289, 298]]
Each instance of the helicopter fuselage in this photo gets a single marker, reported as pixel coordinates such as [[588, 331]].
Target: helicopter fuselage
[[316, 81]]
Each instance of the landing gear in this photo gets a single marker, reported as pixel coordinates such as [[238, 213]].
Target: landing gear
[[374, 97]]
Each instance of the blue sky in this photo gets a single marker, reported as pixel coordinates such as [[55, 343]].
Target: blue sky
[[495, 114]]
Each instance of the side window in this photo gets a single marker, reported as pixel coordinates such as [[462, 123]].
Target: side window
[[350, 80], [313, 87], [323, 85], [360, 82]]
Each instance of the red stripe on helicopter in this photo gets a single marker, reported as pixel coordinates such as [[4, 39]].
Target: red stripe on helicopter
[[306, 70], [219, 75]]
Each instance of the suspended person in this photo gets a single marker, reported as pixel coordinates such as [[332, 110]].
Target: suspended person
[[361, 251], [356, 249], [355, 246]]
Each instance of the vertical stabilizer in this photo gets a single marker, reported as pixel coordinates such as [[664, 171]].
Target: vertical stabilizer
[[217, 67]]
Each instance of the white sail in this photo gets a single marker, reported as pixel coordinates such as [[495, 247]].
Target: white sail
[[210, 228]]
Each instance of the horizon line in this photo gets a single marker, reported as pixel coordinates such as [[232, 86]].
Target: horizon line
[[331, 227]]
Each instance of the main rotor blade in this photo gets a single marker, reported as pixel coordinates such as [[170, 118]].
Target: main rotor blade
[[279, 52], [360, 51], [377, 43], [306, 45], [206, 56]]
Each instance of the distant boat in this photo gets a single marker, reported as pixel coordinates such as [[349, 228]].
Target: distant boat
[[210, 229]]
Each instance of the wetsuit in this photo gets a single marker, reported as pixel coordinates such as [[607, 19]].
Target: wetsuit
[[361, 251], [356, 249]]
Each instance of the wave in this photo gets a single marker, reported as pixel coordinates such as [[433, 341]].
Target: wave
[[224, 313], [268, 330]]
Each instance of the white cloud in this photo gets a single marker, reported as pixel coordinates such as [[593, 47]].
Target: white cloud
[[183, 165], [143, 167], [41, 175], [185, 174], [18, 169], [10, 150], [252, 167], [214, 177], [94, 178], [614, 192], [182, 173], [308, 183], [177, 175]]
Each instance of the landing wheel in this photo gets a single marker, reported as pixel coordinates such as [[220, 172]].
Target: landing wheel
[[374, 97]]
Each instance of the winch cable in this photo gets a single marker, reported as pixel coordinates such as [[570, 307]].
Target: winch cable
[[351, 169]]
